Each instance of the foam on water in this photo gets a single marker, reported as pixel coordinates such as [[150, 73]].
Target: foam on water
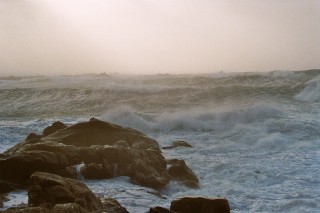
[[255, 136], [312, 90]]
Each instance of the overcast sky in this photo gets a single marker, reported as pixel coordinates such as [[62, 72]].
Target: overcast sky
[[157, 36]]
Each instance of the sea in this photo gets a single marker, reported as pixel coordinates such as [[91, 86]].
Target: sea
[[255, 135]]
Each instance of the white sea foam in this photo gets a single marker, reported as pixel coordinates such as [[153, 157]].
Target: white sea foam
[[252, 142], [311, 92]]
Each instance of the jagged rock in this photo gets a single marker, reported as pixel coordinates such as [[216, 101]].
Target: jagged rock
[[178, 170], [177, 144], [53, 128], [53, 189], [159, 209], [107, 150], [200, 205], [111, 205]]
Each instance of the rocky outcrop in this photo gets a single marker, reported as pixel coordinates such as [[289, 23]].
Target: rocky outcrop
[[49, 188], [178, 170], [107, 150], [177, 144], [200, 205]]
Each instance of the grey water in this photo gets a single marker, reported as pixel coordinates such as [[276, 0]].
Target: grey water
[[255, 136]]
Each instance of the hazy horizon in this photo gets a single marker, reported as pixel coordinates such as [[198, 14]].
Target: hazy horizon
[[54, 37]]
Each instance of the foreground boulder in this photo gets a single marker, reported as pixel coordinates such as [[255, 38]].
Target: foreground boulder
[[49, 188], [200, 205], [55, 194]]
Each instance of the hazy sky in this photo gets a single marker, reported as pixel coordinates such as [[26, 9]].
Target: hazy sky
[[157, 36]]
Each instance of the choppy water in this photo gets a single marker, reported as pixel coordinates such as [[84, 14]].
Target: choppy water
[[255, 135]]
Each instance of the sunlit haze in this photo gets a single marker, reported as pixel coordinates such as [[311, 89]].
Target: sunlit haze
[[166, 36]]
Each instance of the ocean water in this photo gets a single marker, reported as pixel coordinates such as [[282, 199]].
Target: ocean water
[[255, 136]]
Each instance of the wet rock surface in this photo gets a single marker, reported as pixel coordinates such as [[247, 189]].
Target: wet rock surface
[[200, 205], [107, 150], [178, 170]]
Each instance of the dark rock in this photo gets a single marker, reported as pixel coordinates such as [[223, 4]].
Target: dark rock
[[1, 202], [177, 144], [111, 205], [53, 128], [53, 189], [27, 210], [96, 132], [178, 170], [200, 205], [144, 167], [95, 171], [107, 150], [32, 136], [18, 167], [159, 209], [68, 207], [6, 186]]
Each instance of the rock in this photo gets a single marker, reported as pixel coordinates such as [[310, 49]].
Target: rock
[[68, 207], [178, 170], [96, 132], [159, 209], [200, 205], [6, 186], [111, 205], [95, 171], [27, 210], [53, 128], [1, 202], [144, 167], [19, 166], [177, 144], [53, 189], [107, 150]]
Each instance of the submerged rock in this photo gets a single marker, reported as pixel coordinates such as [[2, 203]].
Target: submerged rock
[[177, 144], [200, 205]]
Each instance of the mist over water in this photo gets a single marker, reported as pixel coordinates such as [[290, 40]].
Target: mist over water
[[255, 135], [51, 37]]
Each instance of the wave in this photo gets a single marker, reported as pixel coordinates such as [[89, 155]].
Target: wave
[[311, 92], [197, 119]]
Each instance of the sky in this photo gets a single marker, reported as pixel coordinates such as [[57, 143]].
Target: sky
[[48, 37]]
